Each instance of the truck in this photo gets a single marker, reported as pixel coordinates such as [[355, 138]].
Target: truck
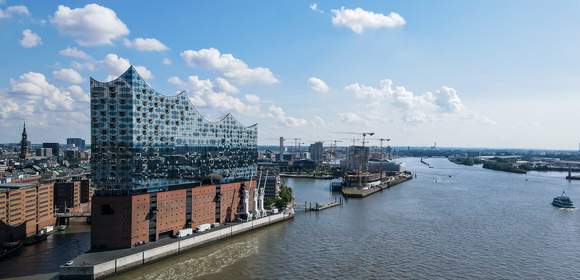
[[184, 232], [203, 227]]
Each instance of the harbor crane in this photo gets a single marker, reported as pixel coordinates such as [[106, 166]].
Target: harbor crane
[[364, 135]]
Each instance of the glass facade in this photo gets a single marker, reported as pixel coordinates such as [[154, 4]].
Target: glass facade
[[143, 141]]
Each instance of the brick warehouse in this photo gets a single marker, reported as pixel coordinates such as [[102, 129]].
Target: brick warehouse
[[137, 219]]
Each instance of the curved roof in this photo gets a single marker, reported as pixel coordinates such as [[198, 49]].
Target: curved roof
[[131, 71]]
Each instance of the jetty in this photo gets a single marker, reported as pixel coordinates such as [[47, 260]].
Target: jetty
[[355, 192], [322, 206], [98, 265]]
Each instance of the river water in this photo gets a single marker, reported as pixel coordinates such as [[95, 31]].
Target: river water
[[451, 222]]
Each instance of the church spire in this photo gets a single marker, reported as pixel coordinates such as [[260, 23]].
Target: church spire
[[24, 143]]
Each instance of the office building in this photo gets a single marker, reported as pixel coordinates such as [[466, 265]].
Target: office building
[[54, 147], [316, 152], [158, 165], [78, 143]]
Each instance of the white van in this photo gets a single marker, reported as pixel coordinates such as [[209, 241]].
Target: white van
[[203, 227]]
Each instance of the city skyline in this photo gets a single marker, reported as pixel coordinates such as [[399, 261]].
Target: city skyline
[[447, 72]]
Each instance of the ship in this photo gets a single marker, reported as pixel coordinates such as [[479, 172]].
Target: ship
[[562, 201]]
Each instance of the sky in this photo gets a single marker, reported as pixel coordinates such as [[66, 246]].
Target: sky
[[498, 74]]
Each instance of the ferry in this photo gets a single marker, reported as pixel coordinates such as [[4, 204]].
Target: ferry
[[562, 201]]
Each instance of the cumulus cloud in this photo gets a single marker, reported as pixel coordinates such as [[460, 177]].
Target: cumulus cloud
[[11, 11], [315, 8], [350, 117], [358, 19], [318, 85], [166, 61], [412, 107], [228, 66], [277, 113], [118, 65], [30, 39], [225, 86], [91, 25], [35, 93], [73, 52], [145, 45], [68, 75], [78, 94]]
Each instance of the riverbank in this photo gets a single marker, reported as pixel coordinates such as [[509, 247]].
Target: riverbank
[[98, 265], [362, 193]]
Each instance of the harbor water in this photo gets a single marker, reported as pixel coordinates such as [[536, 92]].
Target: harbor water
[[450, 222]]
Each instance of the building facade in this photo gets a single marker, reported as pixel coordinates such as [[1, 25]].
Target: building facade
[[316, 152], [159, 166], [143, 141], [78, 143], [54, 147], [357, 159], [25, 209]]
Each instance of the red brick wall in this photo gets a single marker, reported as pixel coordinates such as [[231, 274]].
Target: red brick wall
[[230, 200], [170, 211], [202, 205], [140, 223]]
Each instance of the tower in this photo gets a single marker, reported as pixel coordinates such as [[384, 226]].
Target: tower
[[24, 143]]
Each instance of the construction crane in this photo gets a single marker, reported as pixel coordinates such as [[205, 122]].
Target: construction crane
[[364, 135], [296, 143], [383, 140], [334, 148]]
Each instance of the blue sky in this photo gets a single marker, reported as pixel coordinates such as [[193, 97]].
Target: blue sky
[[462, 73]]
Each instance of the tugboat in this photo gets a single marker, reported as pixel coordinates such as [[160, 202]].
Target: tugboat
[[562, 201]]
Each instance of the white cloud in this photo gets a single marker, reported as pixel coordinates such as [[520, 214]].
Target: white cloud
[[82, 66], [225, 86], [230, 67], [75, 53], [91, 25], [278, 114], [11, 11], [78, 94], [145, 45], [315, 8], [412, 108], [350, 117], [118, 65], [358, 19], [30, 39], [144, 72], [252, 99], [35, 93], [318, 85], [68, 75], [166, 61], [448, 101]]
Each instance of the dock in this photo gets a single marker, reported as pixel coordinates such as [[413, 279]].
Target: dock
[[361, 193], [322, 206], [98, 265]]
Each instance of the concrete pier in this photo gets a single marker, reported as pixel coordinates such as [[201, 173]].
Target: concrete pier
[[98, 265], [361, 193]]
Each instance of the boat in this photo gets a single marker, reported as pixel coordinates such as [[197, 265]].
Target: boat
[[562, 201]]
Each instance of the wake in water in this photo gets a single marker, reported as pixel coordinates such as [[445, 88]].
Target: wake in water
[[191, 267]]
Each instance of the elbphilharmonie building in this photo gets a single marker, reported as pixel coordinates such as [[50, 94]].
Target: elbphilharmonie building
[[159, 166], [143, 141]]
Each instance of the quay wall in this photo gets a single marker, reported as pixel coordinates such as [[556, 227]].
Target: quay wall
[[110, 267]]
